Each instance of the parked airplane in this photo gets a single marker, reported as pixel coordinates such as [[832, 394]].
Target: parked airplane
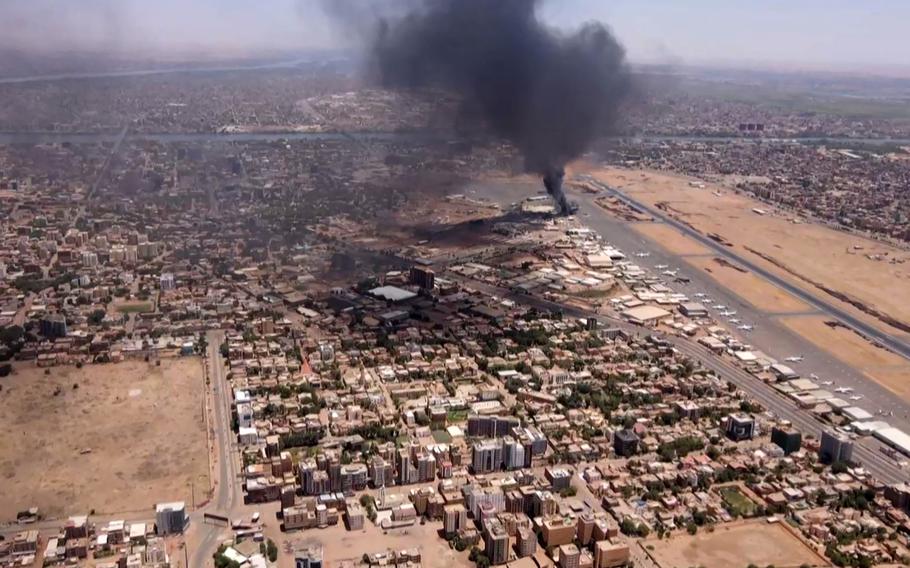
[[856, 397], [794, 359], [670, 272], [747, 327], [844, 390], [660, 266], [720, 307], [827, 383], [642, 254], [734, 321], [699, 295]]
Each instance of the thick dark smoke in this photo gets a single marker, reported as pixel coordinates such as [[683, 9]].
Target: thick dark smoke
[[547, 93]]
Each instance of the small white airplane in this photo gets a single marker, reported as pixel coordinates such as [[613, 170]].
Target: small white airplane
[[747, 327], [827, 383], [670, 272], [794, 359], [730, 313], [660, 266], [720, 307], [734, 321], [699, 295], [856, 397], [642, 254], [844, 390], [813, 376]]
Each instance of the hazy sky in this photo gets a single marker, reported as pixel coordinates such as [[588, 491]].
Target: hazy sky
[[829, 33]]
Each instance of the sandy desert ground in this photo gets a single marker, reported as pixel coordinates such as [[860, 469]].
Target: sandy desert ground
[[806, 254], [879, 364], [809, 252], [738, 544], [673, 240], [114, 438], [340, 544]]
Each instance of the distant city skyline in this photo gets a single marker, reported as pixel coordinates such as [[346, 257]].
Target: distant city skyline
[[829, 34]]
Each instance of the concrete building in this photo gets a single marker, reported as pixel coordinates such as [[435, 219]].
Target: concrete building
[[170, 518], [625, 443], [835, 447], [610, 555], [480, 426], [487, 456], [788, 439], [496, 542], [423, 277], [525, 542], [569, 556], [557, 531], [53, 326], [740, 427], [455, 518], [310, 557], [513, 453]]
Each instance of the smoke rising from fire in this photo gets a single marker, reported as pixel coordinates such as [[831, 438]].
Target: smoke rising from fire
[[548, 93]]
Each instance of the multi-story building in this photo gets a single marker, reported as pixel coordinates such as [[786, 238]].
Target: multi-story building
[[835, 447], [353, 477], [310, 557], [487, 456], [525, 542], [426, 467], [557, 531], [625, 443], [455, 518], [491, 426], [381, 472], [569, 556], [610, 555], [496, 541], [740, 427], [170, 518], [513, 453], [788, 439]]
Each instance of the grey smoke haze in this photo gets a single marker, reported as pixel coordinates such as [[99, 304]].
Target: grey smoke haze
[[548, 93]]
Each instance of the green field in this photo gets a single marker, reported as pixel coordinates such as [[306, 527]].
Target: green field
[[457, 416], [442, 437], [737, 503], [135, 308]]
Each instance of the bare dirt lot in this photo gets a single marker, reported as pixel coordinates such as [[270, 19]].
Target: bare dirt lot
[[874, 273], [670, 239], [739, 544], [880, 365], [341, 544], [114, 438], [757, 291]]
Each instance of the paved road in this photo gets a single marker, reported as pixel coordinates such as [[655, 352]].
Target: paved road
[[229, 492], [895, 344]]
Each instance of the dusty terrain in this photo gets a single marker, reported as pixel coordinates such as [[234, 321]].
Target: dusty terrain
[[754, 289], [887, 368], [114, 438], [340, 544], [670, 238], [874, 273], [738, 544]]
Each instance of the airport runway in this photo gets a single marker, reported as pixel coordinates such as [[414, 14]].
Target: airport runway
[[769, 335]]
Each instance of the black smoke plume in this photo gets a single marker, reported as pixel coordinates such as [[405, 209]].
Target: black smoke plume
[[548, 93]]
